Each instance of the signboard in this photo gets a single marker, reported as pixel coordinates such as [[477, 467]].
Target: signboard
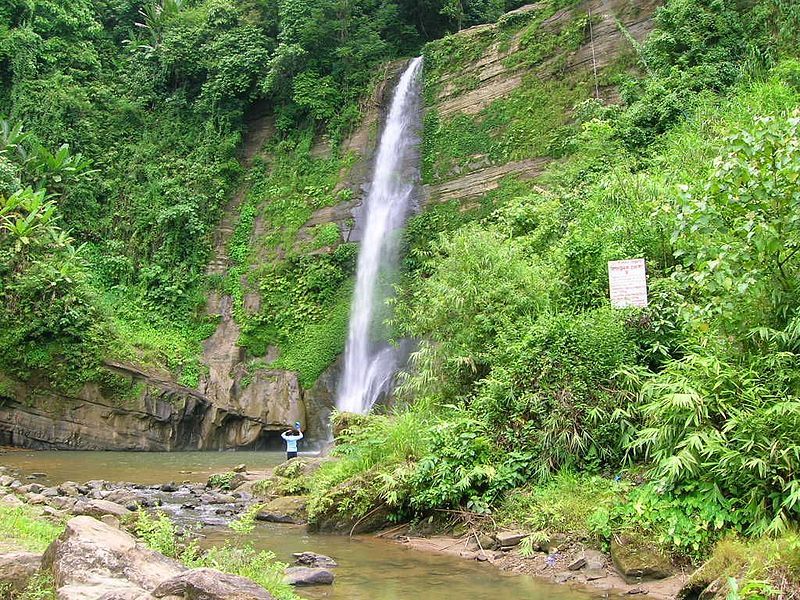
[[627, 282]]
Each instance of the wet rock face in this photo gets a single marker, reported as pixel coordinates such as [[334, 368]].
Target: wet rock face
[[320, 401], [158, 414]]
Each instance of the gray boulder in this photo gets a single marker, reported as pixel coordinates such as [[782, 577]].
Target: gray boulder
[[16, 568], [308, 576], [284, 509], [98, 508], [11, 500], [510, 538], [210, 584], [91, 559]]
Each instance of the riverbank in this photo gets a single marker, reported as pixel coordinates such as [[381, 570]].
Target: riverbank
[[222, 509], [572, 565], [369, 567]]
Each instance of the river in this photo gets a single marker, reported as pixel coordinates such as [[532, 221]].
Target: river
[[369, 568]]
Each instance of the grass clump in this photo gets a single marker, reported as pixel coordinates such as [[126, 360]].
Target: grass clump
[[39, 587], [222, 480], [565, 504], [160, 534], [21, 526]]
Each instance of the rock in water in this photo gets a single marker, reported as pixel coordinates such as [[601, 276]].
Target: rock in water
[[285, 509], [210, 584], [312, 559], [91, 559], [637, 559], [16, 568], [308, 576]]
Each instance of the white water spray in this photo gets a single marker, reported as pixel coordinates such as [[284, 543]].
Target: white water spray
[[369, 368]]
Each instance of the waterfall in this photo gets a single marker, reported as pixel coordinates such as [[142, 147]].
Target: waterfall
[[369, 366]]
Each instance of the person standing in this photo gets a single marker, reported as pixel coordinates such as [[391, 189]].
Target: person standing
[[291, 437]]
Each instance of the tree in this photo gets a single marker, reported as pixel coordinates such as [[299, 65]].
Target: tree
[[739, 235]]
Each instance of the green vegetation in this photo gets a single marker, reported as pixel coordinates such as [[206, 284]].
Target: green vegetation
[[124, 120], [40, 587], [160, 534], [22, 528], [222, 480], [529, 398]]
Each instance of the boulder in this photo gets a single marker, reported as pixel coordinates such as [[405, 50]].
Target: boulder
[[98, 508], [337, 515], [90, 559], [69, 488], [210, 584], [482, 542], [284, 509], [299, 466], [308, 576], [62, 503], [637, 559], [312, 559], [595, 574], [16, 568], [111, 521], [577, 563]]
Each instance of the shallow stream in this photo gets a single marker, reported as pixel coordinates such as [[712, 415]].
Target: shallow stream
[[369, 568]]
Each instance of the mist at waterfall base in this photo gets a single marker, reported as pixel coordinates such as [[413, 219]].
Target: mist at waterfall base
[[370, 366]]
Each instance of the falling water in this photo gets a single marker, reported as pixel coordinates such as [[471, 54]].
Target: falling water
[[369, 367]]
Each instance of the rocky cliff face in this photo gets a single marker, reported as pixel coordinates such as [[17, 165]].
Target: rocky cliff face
[[148, 411], [581, 46]]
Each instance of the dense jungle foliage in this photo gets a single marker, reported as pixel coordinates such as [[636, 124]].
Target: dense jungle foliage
[[120, 125], [529, 398]]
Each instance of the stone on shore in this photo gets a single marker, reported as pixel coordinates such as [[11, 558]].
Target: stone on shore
[[312, 559], [11, 500], [308, 576], [300, 466], [284, 509], [91, 559], [210, 584], [507, 539], [16, 568], [636, 559]]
